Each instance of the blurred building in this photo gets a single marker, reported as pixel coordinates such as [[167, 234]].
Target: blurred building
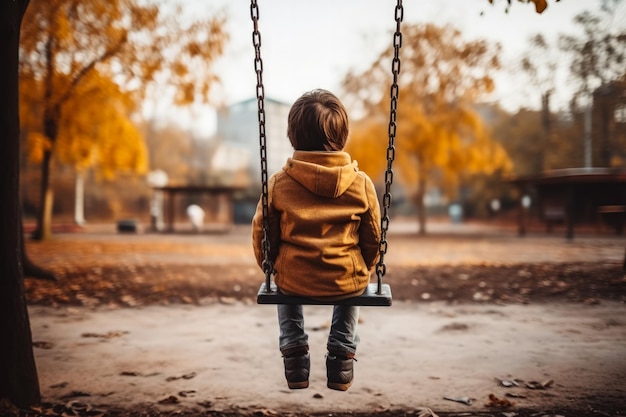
[[238, 138], [237, 152], [609, 125]]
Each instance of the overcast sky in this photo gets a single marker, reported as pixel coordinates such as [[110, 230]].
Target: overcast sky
[[313, 44]]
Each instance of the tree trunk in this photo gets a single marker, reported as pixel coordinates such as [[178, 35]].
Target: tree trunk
[[18, 373], [51, 116], [421, 207], [31, 270], [43, 230]]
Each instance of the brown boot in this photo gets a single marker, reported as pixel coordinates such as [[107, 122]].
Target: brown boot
[[297, 365], [339, 372]]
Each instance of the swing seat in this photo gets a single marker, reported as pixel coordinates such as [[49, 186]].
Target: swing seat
[[369, 298]]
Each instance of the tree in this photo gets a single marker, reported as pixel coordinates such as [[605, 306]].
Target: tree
[[18, 373], [74, 52], [96, 130], [541, 64], [170, 148], [597, 61], [441, 137], [522, 135], [598, 56]]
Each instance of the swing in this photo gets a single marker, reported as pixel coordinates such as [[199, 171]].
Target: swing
[[376, 294]]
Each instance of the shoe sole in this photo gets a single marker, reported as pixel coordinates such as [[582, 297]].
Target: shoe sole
[[339, 386], [298, 385]]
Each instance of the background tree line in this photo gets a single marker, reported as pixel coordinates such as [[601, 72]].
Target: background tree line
[[450, 141], [170, 148], [85, 69]]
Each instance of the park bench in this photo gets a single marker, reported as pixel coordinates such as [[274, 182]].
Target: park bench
[[614, 216], [553, 215]]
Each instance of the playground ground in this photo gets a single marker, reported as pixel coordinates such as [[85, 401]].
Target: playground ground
[[166, 324]]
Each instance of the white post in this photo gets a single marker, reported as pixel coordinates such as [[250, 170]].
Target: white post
[[157, 179], [156, 211], [79, 199]]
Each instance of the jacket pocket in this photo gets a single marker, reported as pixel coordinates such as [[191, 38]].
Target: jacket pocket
[[357, 264], [280, 265]]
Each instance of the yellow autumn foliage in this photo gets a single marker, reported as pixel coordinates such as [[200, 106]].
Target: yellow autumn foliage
[[93, 122], [440, 137], [37, 145], [85, 66], [442, 78]]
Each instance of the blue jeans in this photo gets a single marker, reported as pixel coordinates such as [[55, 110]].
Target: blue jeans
[[343, 337]]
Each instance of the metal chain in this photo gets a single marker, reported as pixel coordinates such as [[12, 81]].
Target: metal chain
[[381, 268], [260, 95]]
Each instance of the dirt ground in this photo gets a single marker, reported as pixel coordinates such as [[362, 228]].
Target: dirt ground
[[166, 324]]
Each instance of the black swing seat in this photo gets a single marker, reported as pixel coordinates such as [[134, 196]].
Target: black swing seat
[[369, 298]]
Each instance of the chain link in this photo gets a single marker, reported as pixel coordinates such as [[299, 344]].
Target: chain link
[[260, 95], [381, 268]]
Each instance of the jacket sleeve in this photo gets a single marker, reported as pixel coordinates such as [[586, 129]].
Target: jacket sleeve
[[369, 231], [257, 233], [273, 232]]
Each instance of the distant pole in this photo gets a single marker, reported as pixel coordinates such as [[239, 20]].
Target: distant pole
[[524, 206], [588, 149], [570, 211]]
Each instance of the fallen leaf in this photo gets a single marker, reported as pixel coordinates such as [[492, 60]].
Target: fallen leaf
[[462, 400], [205, 404], [539, 385], [78, 407], [172, 399], [74, 394], [185, 376], [425, 412], [108, 335], [499, 403]]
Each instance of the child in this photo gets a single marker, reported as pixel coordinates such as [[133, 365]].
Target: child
[[324, 232]]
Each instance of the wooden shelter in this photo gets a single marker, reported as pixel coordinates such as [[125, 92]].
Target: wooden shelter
[[222, 195], [575, 196]]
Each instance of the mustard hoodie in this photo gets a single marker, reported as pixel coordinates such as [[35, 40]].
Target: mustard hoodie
[[324, 226]]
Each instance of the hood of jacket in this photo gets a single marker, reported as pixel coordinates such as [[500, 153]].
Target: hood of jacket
[[328, 174]]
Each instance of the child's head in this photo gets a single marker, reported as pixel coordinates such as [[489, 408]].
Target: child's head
[[318, 121]]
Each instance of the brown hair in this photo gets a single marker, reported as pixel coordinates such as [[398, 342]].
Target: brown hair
[[318, 121]]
